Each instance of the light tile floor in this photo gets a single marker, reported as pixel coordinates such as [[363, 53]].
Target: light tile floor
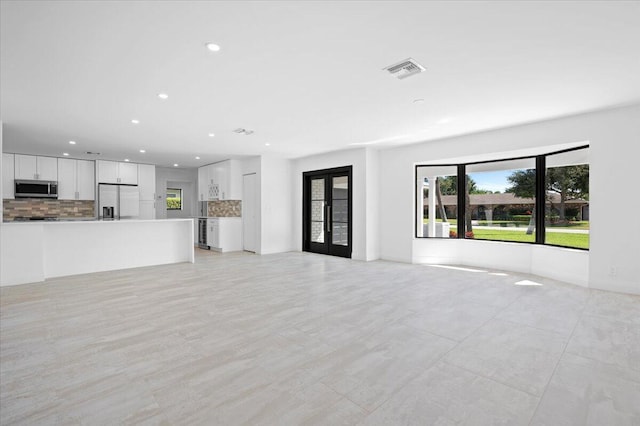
[[298, 338]]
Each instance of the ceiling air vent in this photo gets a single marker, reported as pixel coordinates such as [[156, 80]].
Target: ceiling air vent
[[242, 131], [404, 69], [92, 153]]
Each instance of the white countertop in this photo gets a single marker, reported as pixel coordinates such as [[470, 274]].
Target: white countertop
[[33, 251], [88, 221]]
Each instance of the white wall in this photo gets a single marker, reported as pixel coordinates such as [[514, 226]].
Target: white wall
[[1, 175], [187, 179], [372, 216], [615, 241], [276, 234]]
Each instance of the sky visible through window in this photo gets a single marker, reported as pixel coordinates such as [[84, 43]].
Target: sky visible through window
[[492, 181]]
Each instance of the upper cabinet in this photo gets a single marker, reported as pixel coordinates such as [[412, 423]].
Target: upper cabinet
[[76, 179], [231, 180], [147, 182], [116, 172], [203, 183], [220, 181], [7, 176], [31, 167]]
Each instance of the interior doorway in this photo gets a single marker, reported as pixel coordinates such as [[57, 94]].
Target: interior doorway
[[327, 211]]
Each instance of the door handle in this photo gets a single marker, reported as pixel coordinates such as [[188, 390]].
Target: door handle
[[328, 221]]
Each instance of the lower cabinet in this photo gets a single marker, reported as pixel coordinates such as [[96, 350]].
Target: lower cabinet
[[224, 233]]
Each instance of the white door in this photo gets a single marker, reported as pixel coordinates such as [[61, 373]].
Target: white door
[[249, 212]]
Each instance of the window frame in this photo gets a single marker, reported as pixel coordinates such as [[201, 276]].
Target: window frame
[[540, 191]]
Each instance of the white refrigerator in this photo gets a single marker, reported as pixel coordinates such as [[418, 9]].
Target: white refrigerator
[[125, 200]]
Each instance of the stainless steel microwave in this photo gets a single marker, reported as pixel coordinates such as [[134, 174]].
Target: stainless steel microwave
[[36, 189]]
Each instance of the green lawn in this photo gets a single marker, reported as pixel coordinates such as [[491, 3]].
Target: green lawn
[[512, 224], [518, 234], [555, 238]]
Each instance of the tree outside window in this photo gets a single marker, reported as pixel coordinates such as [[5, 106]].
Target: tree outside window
[[174, 199], [540, 199]]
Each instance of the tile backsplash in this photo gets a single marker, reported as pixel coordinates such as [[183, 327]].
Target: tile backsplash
[[225, 208], [38, 207]]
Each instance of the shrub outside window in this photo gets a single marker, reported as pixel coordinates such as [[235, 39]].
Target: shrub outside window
[[541, 199], [174, 199]]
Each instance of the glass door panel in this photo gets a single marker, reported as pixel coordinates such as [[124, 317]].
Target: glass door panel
[[318, 205], [340, 211], [327, 211]]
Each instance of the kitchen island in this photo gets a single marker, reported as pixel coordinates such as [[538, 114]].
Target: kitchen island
[[34, 251]]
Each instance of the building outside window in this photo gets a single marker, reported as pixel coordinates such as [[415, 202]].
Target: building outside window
[[567, 204], [497, 208], [500, 200], [438, 211]]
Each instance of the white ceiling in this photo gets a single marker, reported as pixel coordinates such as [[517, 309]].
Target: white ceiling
[[306, 77]]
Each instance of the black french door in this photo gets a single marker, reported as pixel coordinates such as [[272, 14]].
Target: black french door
[[327, 211]]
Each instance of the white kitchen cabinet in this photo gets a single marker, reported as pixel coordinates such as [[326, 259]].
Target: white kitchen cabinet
[[128, 173], [32, 167], [8, 176], [147, 190], [147, 182], [224, 233], [116, 172], [212, 188], [208, 186], [147, 210], [76, 179], [86, 179], [213, 233], [203, 182], [220, 181], [228, 178]]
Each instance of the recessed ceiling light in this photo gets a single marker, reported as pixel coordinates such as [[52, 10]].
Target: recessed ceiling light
[[213, 47], [126, 159], [211, 135], [163, 96], [197, 158], [175, 165], [134, 121], [142, 151], [267, 144], [445, 120], [72, 142], [66, 154], [418, 101]]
